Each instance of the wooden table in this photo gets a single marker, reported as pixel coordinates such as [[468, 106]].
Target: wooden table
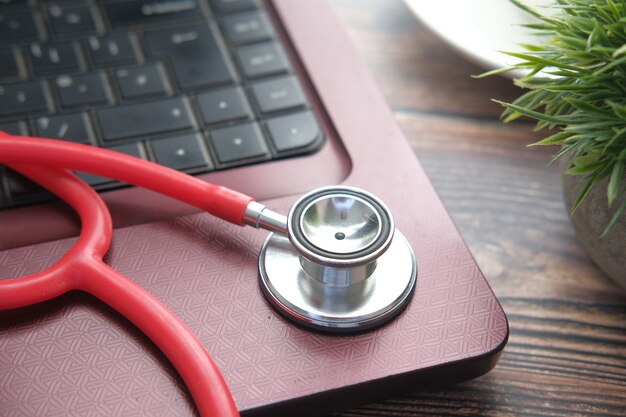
[[567, 352]]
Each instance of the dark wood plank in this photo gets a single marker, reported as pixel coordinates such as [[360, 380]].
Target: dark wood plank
[[567, 351]]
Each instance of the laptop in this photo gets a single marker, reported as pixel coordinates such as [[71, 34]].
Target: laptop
[[268, 98]]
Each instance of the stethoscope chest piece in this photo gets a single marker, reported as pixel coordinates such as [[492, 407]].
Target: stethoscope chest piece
[[343, 267]]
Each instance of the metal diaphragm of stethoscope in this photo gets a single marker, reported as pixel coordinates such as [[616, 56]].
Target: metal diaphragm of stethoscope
[[336, 262]]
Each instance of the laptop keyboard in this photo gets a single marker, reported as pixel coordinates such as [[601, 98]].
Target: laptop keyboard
[[195, 85]]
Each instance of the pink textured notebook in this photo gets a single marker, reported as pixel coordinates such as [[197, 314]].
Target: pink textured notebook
[[75, 356]]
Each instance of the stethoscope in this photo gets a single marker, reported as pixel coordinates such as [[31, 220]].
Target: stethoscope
[[335, 263]]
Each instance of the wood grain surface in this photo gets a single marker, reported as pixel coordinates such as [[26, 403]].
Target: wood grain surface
[[567, 351]]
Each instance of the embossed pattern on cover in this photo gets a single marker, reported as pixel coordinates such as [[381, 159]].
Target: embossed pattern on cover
[[74, 356]]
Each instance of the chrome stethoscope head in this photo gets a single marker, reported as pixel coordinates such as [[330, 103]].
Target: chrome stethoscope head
[[336, 263]]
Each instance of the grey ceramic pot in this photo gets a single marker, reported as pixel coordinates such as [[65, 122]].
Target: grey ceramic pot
[[589, 221]]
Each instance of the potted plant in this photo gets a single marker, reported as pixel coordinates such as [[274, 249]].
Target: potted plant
[[576, 81]]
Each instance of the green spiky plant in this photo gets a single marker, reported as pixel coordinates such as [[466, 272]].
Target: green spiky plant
[[577, 90]]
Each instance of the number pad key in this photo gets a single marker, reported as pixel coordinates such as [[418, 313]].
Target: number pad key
[[111, 50], [148, 80], [68, 20], [278, 94], [193, 54], [224, 105], [93, 180], [8, 63], [145, 118], [18, 26], [146, 12], [25, 97], [247, 27], [229, 6], [16, 4], [49, 58], [239, 142], [180, 152], [264, 59], [14, 128], [78, 90], [294, 131], [21, 188], [68, 127], [132, 149]]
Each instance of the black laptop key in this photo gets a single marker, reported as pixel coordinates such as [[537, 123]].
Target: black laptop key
[[67, 19], [294, 131], [54, 57], [147, 80], [14, 3], [68, 127], [142, 12], [14, 128], [24, 97], [223, 105], [21, 188], [17, 26], [79, 90], [278, 94], [145, 118], [236, 143], [193, 53], [262, 59], [111, 50], [247, 27], [230, 6], [93, 180], [180, 152], [133, 149], [8, 63]]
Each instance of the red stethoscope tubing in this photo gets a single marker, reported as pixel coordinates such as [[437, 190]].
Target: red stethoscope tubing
[[214, 199], [82, 268]]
